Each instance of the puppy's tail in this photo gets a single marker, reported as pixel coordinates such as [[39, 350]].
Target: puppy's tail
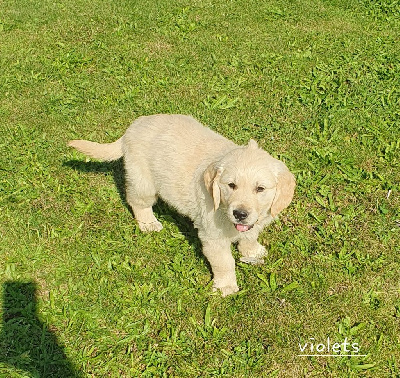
[[100, 151]]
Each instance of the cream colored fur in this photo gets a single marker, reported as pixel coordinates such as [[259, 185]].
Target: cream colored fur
[[230, 192]]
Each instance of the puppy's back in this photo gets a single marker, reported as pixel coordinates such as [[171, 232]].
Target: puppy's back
[[175, 150]]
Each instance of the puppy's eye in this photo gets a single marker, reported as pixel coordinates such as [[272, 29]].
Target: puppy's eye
[[260, 189], [232, 185]]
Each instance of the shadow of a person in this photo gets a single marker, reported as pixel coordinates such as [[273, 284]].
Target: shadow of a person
[[26, 343]]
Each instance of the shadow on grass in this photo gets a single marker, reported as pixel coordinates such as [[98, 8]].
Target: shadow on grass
[[115, 167], [26, 343], [161, 209]]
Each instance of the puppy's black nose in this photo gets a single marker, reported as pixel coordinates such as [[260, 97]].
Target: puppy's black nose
[[240, 214]]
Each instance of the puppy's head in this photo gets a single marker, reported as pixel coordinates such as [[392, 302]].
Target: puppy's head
[[250, 185]]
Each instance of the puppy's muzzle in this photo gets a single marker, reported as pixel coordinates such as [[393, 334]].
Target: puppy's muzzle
[[240, 216]]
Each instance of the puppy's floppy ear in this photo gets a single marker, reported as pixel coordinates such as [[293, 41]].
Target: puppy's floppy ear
[[211, 179], [284, 192], [252, 144]]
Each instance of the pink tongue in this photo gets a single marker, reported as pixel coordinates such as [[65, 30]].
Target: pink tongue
[[242, 227]]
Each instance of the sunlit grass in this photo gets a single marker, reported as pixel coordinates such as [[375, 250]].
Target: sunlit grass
[[315, 82]]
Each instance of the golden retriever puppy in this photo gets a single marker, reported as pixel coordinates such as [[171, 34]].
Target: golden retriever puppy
[[230, 192]]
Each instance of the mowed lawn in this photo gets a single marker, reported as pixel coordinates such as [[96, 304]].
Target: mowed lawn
[[85, 294]]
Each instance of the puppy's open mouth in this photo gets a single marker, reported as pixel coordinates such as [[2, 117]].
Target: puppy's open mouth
[[243, 227]]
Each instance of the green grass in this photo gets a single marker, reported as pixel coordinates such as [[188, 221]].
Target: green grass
[[317, 83]]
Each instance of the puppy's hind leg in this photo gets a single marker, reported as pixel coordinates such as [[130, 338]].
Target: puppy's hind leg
[[141, 195]]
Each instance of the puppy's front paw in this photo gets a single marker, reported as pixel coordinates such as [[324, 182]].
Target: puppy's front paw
[[227, 290], [252, 260], [150, 227], [252, 254]]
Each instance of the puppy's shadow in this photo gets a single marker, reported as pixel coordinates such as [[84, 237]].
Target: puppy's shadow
[[161, 209]]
